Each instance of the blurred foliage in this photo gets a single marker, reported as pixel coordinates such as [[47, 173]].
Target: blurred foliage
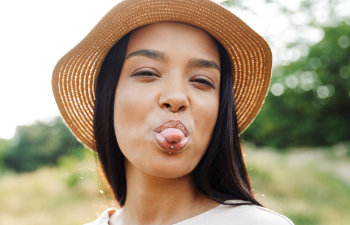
[[317, 176], [4, 148], [73, 192], [37, 145], [69, 163], [310, 104], [231, 3], [309, 99]]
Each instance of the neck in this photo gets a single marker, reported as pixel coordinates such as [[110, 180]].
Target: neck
[[154, 200]]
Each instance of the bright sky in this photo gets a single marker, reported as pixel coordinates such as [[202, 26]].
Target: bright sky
[[36, 34]]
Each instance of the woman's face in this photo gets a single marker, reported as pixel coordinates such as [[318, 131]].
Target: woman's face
[[167, 99]]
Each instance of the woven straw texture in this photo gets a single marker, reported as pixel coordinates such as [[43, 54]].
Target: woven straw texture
[[74, 77]]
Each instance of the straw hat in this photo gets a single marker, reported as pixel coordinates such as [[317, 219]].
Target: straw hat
[[75, 75]]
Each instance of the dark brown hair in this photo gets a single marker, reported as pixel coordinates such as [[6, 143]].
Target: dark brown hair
[[221, 173]]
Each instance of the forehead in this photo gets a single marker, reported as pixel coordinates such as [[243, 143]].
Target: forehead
[[175, 38]]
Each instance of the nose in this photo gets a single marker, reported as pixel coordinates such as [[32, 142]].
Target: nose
[[174, 96]]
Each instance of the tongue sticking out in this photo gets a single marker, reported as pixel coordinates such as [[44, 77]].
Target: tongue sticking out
[[171, 137]]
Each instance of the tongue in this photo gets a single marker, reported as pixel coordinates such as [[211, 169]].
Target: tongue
[[173, 135], [171, 139]]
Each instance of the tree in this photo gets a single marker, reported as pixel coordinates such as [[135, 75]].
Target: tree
[[4, 148], [308, 103], [38, 145], [311, 101]]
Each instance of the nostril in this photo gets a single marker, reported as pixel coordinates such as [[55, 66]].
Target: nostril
[[181, 108], [174, 108]]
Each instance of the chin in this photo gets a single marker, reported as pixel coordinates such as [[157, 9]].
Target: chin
[[169, 170], [158, 163]]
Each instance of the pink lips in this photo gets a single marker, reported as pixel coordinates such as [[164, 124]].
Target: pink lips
[[172, 135]]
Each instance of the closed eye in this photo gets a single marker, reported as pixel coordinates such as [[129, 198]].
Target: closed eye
[[203, 82], [145, 74]]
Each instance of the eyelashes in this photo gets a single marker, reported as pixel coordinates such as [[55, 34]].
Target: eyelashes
[[203, 82], [199, 82], [145, 74]]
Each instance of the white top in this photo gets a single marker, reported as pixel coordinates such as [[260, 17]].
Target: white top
[[220, 215]]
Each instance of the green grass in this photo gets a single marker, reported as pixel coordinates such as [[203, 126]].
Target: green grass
[[303, 184], [306, 185], [68, 194]]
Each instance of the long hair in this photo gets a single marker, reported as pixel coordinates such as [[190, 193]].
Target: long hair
[[221, 173]]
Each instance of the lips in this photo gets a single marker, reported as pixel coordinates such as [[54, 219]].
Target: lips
[[172, 135], [172, 124]]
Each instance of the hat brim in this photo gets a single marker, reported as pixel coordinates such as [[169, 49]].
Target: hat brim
[[75, 75]]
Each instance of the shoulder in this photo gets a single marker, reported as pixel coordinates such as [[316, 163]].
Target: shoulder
[[238, 215], [103, 219], [250, 214], [253, 214]]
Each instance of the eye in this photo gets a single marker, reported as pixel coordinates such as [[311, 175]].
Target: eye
[[144, 74], [203, 83]]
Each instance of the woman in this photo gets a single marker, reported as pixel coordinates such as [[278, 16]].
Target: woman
[[150, 89]]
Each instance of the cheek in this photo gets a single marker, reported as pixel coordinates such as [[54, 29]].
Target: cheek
[[205, 116], [131, 109], [126, 107]]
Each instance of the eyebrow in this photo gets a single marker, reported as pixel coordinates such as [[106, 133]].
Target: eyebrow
[[157, 55], [203, 63], [153, 54]]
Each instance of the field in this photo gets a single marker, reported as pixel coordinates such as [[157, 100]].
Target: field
[[311, 186]]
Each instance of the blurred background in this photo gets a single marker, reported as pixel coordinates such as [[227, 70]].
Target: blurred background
[[297, 150]]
